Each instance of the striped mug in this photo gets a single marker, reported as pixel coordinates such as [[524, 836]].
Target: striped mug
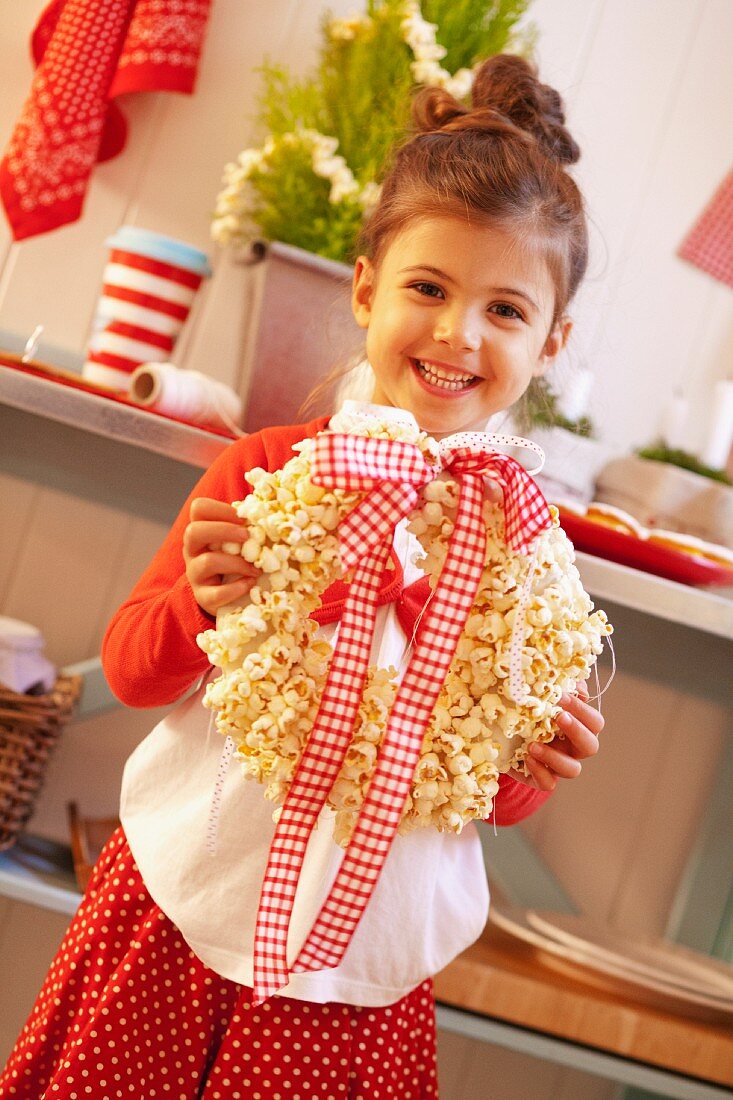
[[148, 286]]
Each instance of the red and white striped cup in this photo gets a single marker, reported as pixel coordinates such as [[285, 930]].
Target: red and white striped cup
[[148, 286]]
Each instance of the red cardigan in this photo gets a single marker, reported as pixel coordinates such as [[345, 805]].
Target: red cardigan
[[149, 653]]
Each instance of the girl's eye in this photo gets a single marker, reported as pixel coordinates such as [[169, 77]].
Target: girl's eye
[[503, 309], [429, 290]]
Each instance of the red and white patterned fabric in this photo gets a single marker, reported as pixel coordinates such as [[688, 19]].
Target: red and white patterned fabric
[[709, 244], [391, 473], [141, 311], [128, 1011], [87, 52]]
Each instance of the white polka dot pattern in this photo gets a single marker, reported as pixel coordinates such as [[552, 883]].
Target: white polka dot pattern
[[214, 813], [128, 1011], [484, 440]]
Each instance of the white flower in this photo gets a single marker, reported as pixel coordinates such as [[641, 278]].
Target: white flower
[[430, 52], [232, 220], [322, 144], [344, 186], [427, 72], [369, 196], [419, 35], [328, 166], [461, 83], [250, 159], [225, 229], [345, 30]]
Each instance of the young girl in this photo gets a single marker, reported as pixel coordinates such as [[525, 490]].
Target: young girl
[[469, 263]]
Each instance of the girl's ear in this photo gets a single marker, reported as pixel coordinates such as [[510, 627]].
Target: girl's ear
[[361, 291], [556, 341]]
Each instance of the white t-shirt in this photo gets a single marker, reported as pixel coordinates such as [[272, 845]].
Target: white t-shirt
[[430, 901]]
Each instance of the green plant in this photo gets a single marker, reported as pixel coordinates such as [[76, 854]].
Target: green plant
[[329, 135], [660, 452], [538, 409]]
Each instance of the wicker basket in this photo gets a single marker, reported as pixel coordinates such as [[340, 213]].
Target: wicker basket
[[29, 728]]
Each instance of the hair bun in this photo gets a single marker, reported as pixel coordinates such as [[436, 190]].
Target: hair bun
[[435, 109], [508, 84]]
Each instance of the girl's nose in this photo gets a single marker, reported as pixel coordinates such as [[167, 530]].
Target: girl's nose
[[458, 329]]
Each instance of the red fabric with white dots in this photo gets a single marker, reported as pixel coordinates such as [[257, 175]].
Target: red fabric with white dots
[[127, 1010]]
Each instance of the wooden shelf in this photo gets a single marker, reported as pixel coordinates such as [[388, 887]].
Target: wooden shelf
[[39, 872], [503, 980], [701, 609], [704, 610], [94, 413]]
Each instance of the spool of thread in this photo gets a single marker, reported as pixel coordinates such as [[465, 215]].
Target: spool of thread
[[188, 395]]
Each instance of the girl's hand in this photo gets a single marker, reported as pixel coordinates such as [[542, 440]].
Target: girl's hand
[[579, 725], [217, 579]]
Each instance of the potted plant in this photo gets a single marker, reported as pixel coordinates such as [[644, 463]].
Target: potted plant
[[670, 488]]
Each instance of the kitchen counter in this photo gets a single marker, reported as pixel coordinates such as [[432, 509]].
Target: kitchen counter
[[580, 1018]]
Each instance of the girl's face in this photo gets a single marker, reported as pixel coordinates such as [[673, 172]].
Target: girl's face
[[458, 322]]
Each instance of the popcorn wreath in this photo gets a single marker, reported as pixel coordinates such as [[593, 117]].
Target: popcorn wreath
[[273, 668]]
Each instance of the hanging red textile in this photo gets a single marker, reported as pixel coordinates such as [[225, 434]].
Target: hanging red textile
[[87, 52], [709, 244]]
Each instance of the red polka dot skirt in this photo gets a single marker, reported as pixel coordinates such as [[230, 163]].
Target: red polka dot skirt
[[127, 1010]]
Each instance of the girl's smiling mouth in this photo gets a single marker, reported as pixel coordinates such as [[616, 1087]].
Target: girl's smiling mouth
[[443, 379]]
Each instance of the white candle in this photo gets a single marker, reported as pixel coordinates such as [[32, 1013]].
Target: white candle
[[719, 437], [573, 402], [674, 421]]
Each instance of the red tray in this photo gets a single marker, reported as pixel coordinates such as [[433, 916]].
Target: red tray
[[76, 382], [650, 557]]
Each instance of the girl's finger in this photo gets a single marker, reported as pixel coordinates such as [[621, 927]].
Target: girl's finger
[[212, 597], [552, 757], [586, 714], [215, 563], [581, 741], [201, 534], [206, 508], [542, 777]]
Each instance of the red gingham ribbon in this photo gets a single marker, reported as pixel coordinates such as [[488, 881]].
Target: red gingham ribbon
[[391, 473]]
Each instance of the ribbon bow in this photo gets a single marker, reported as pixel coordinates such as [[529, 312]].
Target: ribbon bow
[[392, 473]]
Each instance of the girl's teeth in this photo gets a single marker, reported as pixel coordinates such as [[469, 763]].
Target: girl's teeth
[[443, 381]]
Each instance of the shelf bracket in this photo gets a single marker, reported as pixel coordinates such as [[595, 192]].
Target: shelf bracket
[[96, 695]]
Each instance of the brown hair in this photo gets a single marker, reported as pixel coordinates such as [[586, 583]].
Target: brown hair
[[503, 160]]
